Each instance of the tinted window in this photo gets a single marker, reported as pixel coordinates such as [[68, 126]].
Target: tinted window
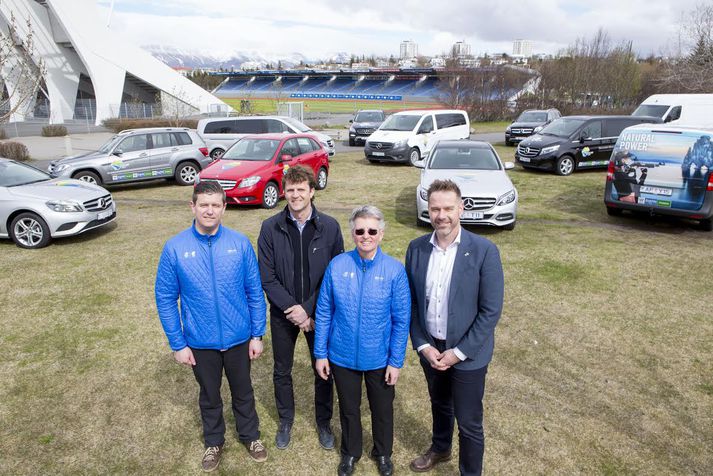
[[449, 120], [306, 145], [291, 147], [613, 127], [369, 116], [675, 114], [426, 125], [220, 127], [401, 123], [532, 116], [655, 110], [12, 174], [274, 125], [161, 140], [133, 143], [562, 127], [252, 149], [251, 126], [181, 138], [593, 130], [463, 158]]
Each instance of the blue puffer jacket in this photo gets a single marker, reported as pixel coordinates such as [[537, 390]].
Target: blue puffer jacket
[[218, 282], [363, 312]]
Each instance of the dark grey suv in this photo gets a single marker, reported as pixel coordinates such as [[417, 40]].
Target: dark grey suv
[[529, 122], [364, 124], [139, 154]]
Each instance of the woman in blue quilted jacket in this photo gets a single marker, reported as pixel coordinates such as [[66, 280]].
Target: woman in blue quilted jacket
[[361, 328]]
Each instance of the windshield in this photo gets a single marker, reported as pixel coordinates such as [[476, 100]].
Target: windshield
[[297, 124], [531, 116], [252, 149], [400, 123], [562, 127], [464, 158], [110, 145], [13, 174], [369, 116], [654, 110]]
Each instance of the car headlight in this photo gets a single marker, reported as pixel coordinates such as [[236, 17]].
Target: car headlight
[[537, 129], [507, 130], [400, 143], [423, 193], [64, 206], [61, 167], [249, 182], [507, 198], [547, 150], [351, 129]]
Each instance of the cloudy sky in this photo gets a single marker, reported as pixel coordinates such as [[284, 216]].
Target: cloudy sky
[[319, 28]]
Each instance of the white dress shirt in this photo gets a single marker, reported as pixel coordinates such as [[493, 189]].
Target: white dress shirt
[[438, 283]]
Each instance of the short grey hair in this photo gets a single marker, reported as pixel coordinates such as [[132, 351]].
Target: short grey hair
[[367, 211]]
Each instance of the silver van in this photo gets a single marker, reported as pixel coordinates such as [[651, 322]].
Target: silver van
[[219, 133], [139, 154]]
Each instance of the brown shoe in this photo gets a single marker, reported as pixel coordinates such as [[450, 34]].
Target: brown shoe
[[211, 458], [428, 460], [257, 451]]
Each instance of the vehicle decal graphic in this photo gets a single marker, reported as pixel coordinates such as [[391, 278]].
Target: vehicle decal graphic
[[229, 165], [118, 165], [138, 175], [64, 183], [285, 169], [586, 152]]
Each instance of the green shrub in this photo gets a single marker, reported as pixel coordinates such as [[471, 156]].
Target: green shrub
[[54, 131], [14, 151], [118, 125]]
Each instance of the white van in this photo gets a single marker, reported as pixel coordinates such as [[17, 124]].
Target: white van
[[409, 135], [688, 109], [219, 133]]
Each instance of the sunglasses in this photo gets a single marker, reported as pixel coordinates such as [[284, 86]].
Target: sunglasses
[[361, 231]]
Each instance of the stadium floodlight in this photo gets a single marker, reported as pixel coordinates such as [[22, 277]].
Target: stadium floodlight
[[306, 77], [362, 77], [424, 77], [252, 79], [391, 78], [334, 76], [279, 78]]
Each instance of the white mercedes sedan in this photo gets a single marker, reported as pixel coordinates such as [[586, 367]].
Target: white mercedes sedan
[[489, 197]]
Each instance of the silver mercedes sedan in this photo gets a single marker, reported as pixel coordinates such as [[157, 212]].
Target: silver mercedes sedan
[[34, 207], [489, 197]]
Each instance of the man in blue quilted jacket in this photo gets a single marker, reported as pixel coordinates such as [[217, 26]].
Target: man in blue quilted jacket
[[361, 329], [213, 271]]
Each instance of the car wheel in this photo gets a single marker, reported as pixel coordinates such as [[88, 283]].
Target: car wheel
[[706, 225], [509, 226], [216, 153], [565, 165], [29, 231], [351, 143], [614, 212], [186, 173], [270, 196], [414, 155], [321, 179], [87, 176], [421, 224]]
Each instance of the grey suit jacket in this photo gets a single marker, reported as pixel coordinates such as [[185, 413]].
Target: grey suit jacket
[[475, 298]]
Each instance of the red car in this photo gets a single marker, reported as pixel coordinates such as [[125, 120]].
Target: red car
[[251, 171]]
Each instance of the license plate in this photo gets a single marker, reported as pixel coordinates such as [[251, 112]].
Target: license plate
[[524, 159], [104, 214], [656, 190], [471, 216], [378, 154]]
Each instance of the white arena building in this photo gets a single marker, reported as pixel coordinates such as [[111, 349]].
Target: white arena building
[[91, 71]]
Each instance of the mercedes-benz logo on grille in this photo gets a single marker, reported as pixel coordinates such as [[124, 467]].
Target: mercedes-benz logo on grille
[[378, 145], [101, 203], [527, 150], [469, 203]]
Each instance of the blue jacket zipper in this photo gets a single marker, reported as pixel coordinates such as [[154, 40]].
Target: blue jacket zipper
[[215, 293]]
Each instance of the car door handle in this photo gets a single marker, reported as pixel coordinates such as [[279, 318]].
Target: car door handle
[[174, 149], [144, 154]]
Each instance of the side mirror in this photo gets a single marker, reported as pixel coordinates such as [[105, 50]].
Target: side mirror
[[509, 165], [351, 121], [420, 163], [117, 152], [582, 138]]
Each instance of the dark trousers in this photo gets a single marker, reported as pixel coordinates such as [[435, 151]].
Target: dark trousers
[[381, 405], [458, 393], [284, 336], [209, 374]]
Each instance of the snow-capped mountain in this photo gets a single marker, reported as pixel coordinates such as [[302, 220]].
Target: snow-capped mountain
[[176, 57]]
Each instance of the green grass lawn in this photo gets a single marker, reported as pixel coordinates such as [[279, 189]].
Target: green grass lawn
[[603, 361], [269, 106]]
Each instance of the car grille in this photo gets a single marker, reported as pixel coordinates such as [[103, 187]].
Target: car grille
[[478, 203], [365, 131], [224, 184], [381, 145], [527, 151], [98, 204], [522, 130]]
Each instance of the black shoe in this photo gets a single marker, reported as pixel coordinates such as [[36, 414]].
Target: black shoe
[[326, 437], [346, 466], [282, 438], [386, 467]]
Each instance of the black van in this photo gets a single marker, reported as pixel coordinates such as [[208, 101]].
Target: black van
[[575, 142]]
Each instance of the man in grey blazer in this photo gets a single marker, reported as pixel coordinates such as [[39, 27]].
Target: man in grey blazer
[[456, 280]]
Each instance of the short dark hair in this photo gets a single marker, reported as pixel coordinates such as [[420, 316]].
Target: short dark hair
[[444, 186], [208, 187], [299, 174]]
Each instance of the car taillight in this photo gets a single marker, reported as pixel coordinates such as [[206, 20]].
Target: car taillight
[[710, 182], [204, 151], [610, 171]]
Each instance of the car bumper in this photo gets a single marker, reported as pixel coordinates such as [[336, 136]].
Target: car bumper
[[498, 215], [543, 162], [246, 195], [356, 137], [396, 154], [650, 207], [68, 224]]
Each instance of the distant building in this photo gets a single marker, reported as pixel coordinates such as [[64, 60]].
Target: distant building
[[461, 49], [361, 65], [438, 62], [409, 49], [407, 63], [522, 48]]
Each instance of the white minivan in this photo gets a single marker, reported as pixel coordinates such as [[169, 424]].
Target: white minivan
[[688, 109], [409, 135]]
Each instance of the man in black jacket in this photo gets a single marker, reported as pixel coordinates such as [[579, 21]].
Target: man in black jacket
[[294, 248]]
